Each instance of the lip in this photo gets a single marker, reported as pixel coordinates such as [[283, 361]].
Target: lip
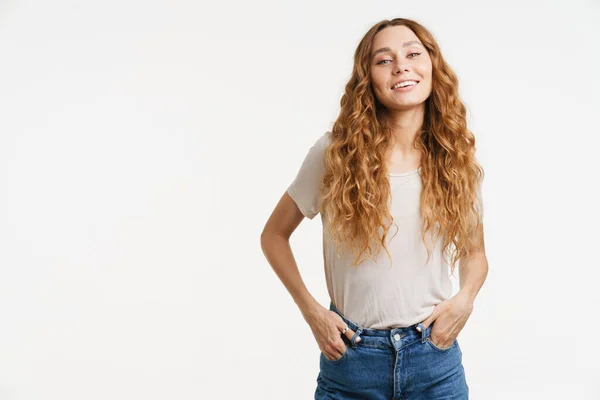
[[403, 80], [406, 88]]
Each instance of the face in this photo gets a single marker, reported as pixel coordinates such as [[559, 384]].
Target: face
[[403, 58]]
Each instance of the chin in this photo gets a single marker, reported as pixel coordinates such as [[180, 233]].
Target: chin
[[404, 106]]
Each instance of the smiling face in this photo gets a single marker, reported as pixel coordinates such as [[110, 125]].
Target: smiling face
[[398, 55]]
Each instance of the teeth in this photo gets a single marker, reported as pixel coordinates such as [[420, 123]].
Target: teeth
[[405, 83]]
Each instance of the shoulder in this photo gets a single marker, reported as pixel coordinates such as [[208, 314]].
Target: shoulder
[[317, 150], [324, 140]]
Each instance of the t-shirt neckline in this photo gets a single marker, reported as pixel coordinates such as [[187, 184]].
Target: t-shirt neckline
[[405, 173]]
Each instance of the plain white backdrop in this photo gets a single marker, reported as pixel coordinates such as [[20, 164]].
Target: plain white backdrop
[[144, 144]]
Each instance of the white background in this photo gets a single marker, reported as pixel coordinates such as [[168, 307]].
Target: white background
[[144, 144]]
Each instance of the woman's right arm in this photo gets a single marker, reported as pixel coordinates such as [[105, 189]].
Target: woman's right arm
[[276, 247], [326, 325]]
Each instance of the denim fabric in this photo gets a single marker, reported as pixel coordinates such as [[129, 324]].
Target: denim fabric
[[397, 364]]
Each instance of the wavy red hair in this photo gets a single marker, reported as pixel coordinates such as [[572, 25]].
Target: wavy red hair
[[356, 187]]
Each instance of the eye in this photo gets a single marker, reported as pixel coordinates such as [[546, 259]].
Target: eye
[[410, 54]]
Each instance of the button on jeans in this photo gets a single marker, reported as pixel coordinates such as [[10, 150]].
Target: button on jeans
[[396, 364]]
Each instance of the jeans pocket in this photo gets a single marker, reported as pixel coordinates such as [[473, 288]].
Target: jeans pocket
[[336, 361], [441, 349]]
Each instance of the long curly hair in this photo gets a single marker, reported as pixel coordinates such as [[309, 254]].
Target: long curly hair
[[355, 190]]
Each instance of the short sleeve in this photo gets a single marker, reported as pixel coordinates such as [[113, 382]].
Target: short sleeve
[[479, 205], [305, 188]]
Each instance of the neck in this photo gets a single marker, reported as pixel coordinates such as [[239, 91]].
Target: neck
[[405, 125]]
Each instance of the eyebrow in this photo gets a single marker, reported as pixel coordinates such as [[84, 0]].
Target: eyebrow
[[386, 49]]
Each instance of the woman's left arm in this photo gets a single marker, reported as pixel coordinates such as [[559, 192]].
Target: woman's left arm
[[474, 271], [452, 314]]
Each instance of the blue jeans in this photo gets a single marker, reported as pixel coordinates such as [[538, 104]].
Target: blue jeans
[[397, 364]]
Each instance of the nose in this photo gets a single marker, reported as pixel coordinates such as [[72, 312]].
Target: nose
[[402, 66]]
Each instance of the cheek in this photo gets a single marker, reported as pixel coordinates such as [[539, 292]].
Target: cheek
[[379, 82], [429, 71], [428, 68]]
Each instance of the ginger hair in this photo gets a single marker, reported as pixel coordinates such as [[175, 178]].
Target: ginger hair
[[355, 190]]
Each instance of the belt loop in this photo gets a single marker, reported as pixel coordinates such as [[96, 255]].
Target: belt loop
[[355, 336], [422, 332]]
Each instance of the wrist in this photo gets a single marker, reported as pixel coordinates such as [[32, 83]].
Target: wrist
[[468, 294], [309, 306]]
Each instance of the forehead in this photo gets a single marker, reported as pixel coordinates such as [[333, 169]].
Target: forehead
[[394, 37]]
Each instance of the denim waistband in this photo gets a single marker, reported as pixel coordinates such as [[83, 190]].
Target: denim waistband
[[409, 332]]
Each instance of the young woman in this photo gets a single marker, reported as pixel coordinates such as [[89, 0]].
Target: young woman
[[399, 192]]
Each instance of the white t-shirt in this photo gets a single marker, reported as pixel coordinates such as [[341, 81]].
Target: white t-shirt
[[379, 294]]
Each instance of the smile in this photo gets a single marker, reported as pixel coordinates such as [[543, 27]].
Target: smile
[[405, 88]]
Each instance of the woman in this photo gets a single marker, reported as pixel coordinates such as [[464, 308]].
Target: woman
[[397, 172]]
